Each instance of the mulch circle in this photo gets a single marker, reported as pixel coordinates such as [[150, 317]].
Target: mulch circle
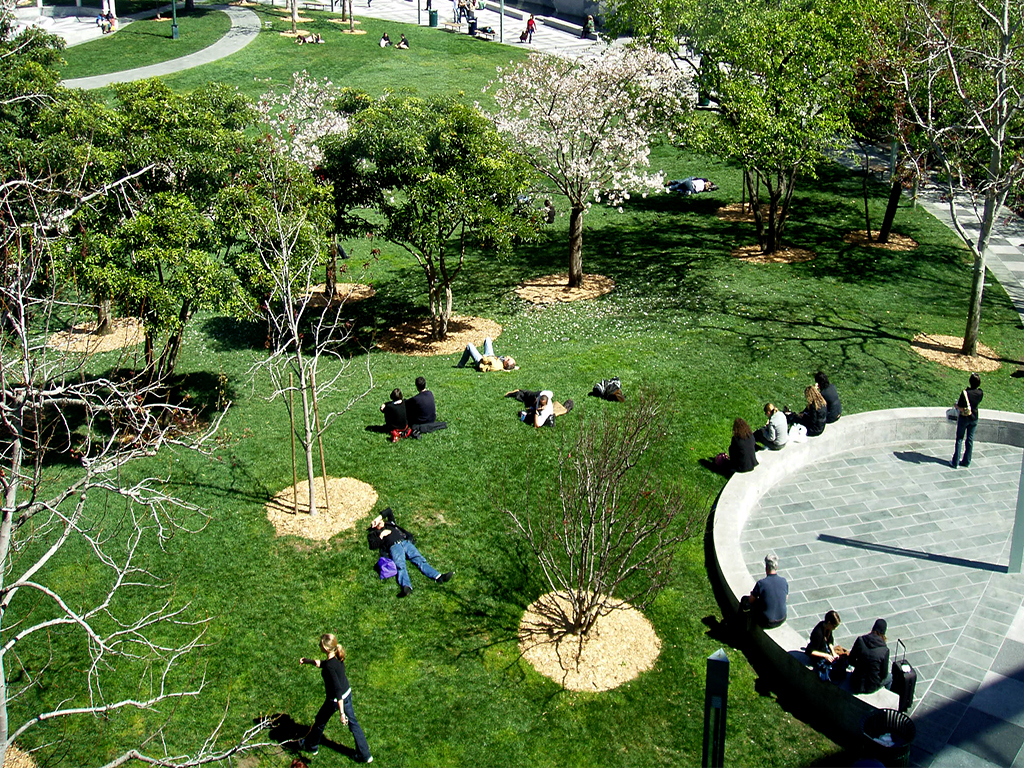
[[896, 242], [345, 502], [345, 293], [787, 255], [125, 332], [297, 32], [413, 338], [945, 350], [735, 212], [619, 646], [552, 289], [18, 758]]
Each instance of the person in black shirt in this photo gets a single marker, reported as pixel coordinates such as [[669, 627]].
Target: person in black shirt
[[822, 648], [742, 449], [386, 535], [828, 391], [967, 420], [870, 660], [420, 408], [814, 416], [338, 699]]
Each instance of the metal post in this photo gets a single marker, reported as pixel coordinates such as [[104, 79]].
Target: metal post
[[716, 697], [1017, 540], [501, 23]]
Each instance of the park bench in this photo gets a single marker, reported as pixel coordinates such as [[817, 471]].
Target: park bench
[[312, 6], [486, 35], [453, 26]]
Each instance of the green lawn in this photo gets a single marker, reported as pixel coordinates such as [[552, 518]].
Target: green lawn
[[436, 677], [145, 42]]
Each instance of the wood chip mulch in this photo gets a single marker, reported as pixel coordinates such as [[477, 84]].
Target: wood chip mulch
[[551, 289], [945, 350], [413, 338], [619, 646], [17, 758], [125, 332], [896, 242], [735, 212], [346, 502], [298, 32], [345, 293], [788, 255], [357, 22]]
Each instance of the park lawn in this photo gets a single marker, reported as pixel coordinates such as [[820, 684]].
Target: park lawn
[[436, 677], [145, 42]]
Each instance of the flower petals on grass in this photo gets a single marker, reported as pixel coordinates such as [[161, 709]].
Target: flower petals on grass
[[551, 289], [619, 646]]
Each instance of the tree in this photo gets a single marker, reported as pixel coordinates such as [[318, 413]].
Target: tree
[[431, 176], [588, 125], [605, 527], [74, 490], [960, 71]]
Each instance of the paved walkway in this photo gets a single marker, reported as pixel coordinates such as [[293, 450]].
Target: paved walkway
[[895, 533]]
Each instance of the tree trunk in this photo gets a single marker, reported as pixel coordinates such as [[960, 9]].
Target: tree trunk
[[867, 210], [988, 218], [103, 318], [331, 282], [895, 193], [295, 16], [576, 246]]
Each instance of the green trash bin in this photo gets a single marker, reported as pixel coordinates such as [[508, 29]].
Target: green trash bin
[[901, 731], [433, 17]]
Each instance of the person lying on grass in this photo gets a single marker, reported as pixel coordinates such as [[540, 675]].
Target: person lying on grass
[[488, 361], [386, 535]]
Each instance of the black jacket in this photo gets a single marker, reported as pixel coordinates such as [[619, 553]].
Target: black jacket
[[870, 659], [742, 454], [420, 409], [395, 533]]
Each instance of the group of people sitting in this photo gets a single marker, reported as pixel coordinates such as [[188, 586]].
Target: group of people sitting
[[823, 407], [402, 45], [413, 416], [107, 22], [310, 39], [766, 606]]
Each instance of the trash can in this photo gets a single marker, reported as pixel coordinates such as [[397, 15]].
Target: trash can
[[472, 27], [901, 731], [433, 17]]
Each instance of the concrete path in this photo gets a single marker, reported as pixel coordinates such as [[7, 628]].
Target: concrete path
[[245, 25], [895, 533]]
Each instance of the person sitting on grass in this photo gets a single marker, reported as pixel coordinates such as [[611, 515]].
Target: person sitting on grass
[[395, 419], [385, 41], [386, 535], [421, 411], [488, 361], [403, 44], [814, 416], [742, 450], [540, 406], [775, 434]]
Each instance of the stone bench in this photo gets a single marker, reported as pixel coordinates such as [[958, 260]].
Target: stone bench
[[782, 647]]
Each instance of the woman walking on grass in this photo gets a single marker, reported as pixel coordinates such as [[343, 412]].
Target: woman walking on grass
[[338, 699]]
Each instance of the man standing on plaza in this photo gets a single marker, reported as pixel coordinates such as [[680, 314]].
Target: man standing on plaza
[[767, 601]]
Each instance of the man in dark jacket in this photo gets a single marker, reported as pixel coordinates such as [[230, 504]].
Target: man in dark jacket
[[386, 535], [967, 420], [420, 408], [831, 397], [870, 660]]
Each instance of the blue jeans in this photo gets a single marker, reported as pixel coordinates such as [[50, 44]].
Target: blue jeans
[[964, 429], [323, 717], [472, 353], [406, 549]]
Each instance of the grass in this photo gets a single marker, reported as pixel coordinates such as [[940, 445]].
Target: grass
[[145, 42], [436, 677]]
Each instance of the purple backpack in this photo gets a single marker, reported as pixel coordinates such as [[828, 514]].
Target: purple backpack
[[387, 567]]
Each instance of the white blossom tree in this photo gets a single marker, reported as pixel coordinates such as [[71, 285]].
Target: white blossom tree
[[962, 76], [587, 125]]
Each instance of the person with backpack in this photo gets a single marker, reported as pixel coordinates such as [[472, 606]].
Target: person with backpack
[[338, 699], [386, 535]]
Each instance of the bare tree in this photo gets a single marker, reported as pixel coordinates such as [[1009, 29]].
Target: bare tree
[[309, 336], [962, 75], [68, 436], [606, 527]]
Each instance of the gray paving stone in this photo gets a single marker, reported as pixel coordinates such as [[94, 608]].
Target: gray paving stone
[[988, 737]]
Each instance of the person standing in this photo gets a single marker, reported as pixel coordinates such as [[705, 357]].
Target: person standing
[[531, 27], [967, 421], [338, 698]]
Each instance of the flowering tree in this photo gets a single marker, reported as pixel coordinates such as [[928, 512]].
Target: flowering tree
[[962, 74], [587, 125]]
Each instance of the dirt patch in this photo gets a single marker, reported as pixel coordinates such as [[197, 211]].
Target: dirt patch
[[735, 212], [345, 293], [619, 646], [298, 32], [945, 350], [896, 242], [125, 332], [413, 338], [17, 758], [551, 289], [345, 502], [356, 22], [752, 255]]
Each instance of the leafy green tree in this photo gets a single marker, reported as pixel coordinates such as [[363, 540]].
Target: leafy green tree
[[432, 176]]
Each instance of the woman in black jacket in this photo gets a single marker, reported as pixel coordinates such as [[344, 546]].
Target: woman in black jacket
[[742, 449], [814, 416], [338, 699]]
